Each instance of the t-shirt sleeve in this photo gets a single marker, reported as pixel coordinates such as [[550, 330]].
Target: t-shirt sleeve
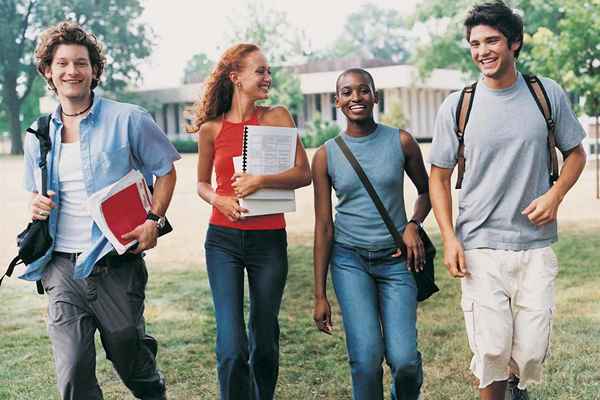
[[569, 132], [444, 146], [150, 145]]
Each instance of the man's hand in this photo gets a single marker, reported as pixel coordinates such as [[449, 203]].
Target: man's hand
[[454, 258], [145, 234], [322, 315], [41, 206], [244, 184], [543, 209]]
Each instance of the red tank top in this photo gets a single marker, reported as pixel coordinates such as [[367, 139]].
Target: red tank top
[[228, 144]]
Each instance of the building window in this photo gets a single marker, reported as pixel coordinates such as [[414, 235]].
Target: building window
[[318, 102], [165, 115], [333, 109], [177, 117], [381, 103]]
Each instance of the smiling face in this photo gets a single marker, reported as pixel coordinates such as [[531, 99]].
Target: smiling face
[[355, 97], [491, 53], [254, 80], [71, 72]]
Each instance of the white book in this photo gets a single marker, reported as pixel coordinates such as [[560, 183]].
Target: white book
[[264, 207], [267, 150]]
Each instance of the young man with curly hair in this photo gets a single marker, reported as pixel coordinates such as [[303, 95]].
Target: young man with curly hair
[[95, 142]]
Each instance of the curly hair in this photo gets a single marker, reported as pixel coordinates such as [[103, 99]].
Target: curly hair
[[218, 88], [69, 32]]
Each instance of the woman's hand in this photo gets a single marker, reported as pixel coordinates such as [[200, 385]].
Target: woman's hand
[[415, 251], [41, 206], [244, 184], [322, 315], [230, 207]]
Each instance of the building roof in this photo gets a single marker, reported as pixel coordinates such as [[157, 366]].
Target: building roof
[[392, 76], [187, 93]]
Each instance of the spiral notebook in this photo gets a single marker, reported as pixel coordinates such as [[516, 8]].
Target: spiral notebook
[[268, 150]]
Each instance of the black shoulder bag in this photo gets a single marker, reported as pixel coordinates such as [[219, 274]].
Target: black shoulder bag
[[425, 279], [35, 240]]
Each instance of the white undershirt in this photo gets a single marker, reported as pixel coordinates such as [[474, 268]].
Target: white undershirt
[[74, 230]]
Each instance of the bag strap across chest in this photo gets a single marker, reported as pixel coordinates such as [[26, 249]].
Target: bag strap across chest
[[463, 110]]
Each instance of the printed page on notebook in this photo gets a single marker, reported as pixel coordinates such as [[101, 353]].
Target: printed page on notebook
[[120, 207], [268, 149]]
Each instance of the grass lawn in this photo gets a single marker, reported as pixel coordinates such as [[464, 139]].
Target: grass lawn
[[313, 365]]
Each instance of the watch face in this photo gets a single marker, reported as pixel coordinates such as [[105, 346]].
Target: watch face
[[161, 223]]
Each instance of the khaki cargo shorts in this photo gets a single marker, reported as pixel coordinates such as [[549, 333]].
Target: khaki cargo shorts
[[508, 302]]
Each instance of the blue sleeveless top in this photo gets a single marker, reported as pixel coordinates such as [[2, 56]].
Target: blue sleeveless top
[[357, 221]]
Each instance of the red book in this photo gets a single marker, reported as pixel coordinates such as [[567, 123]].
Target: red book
[[124, 210]]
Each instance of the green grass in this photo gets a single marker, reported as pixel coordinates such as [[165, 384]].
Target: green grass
[[313, 365]]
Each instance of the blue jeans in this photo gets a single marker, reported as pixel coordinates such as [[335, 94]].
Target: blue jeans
[[378, 300], [247, 363]]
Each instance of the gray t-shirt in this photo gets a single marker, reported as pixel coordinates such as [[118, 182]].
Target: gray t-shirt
[[506, 162]]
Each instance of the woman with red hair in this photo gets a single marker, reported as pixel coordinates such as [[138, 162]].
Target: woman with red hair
[[247, 362]]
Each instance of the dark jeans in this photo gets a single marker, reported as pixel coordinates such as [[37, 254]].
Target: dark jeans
[[111, 300], [378, 300], [247, 364]]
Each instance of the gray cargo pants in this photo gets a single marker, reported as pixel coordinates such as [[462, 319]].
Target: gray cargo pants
[[110, 300]]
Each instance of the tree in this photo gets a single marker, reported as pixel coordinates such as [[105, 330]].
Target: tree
[[445, 46], [372, 32], [21, 21], [572, 56], [281, 43], [197, 68]]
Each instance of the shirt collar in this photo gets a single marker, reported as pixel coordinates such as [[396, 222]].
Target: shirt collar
[[94, 110]]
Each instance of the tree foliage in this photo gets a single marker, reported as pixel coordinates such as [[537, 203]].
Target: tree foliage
[[561, 41], [571, 55], [444, 45], [21, 22], [197, 68], [372, 32], [280, 41]]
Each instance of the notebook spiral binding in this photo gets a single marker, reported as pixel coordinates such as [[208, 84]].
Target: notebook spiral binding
[[245, 150]]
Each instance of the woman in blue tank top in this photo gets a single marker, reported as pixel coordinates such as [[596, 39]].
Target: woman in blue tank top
[[372, 279]]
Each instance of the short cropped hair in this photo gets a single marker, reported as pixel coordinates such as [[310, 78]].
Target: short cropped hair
[[359, 71], [497, 15], [69, 32]]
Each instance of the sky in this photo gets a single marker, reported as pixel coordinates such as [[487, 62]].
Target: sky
[[186, 27]]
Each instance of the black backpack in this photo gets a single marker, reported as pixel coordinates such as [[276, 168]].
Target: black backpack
[[35, 240], [465, 103]]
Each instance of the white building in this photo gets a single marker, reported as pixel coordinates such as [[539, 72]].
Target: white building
[[418, 99]]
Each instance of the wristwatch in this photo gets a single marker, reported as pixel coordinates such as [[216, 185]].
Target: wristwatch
[[160, 221], [417, 223]]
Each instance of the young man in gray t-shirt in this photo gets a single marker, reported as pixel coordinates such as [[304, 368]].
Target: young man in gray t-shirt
[[507, 208]]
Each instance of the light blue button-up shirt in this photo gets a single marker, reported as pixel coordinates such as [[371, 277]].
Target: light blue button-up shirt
[[114, 139]]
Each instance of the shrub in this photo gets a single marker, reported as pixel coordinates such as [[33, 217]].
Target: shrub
[[185, 145], [319, 131]]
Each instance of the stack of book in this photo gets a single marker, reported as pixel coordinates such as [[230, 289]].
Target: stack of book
[[267, 150]]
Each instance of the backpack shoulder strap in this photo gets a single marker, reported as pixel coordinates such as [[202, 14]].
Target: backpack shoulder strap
[[463, 110], [43, 135], [543, 102]]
